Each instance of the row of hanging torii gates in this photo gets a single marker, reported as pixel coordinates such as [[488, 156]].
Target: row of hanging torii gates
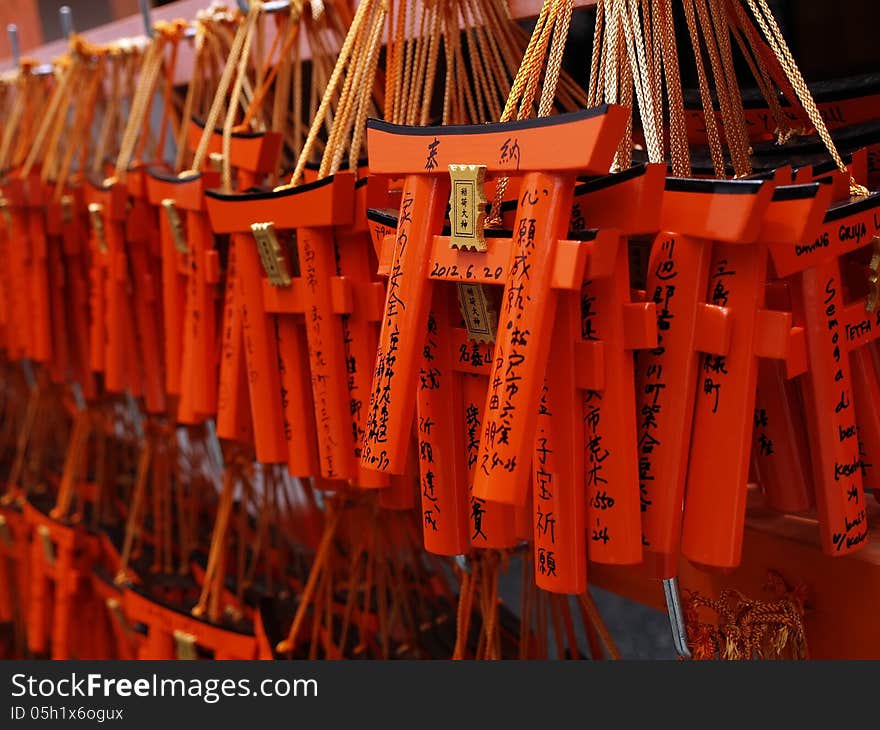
[[318, 420]]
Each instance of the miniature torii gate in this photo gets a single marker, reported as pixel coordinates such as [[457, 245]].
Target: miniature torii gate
[[582, 142], [834, 328], [190, 277], [274, 356], [721, 442], [443, 396]]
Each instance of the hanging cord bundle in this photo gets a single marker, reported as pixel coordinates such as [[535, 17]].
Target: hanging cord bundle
[[137, 126], [166, 504], [391, 597], [260, 510], [357, 60], [19, 128], [542, 58], [475, 44], [479, 584], [121, 60], [237, 472], [746, 628], [78, 136], [769, 27], [539, 610], [34, 441], [265, 100], [635, 57], [205, 40]]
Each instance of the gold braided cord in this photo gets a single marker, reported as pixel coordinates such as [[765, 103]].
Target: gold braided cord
[[112, 110], [421, 55], [76, 87], [403, 72], [199, 53], [712, 133], [640, 35], [593, 93], [297, 94], [16, 114], [774, 36], [59, 94], [634, 39], [137, 115], [357, 91], [79, 135], [554, 61], [738, 121], [741, 28], [236, 96], [350, 89], [175, 33], [360, 122], [727, 92], [678, 143], [226, 77], [615, 51], [332, 84], [651, 69], [431, 74], [551, 30], [623, 156]]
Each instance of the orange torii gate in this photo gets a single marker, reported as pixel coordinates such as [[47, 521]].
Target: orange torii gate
[[451, 399], [840, 372], [583, 142], [723, 426], [190, 280]]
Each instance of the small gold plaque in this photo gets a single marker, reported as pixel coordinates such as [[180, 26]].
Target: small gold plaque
[[185, 645], [467, 207], [95, 211], [479, 318], [115, 609], [48, 547], [270, 254], [176, 225], [5, 534], [4, 209], [66, 208], [874, 278]]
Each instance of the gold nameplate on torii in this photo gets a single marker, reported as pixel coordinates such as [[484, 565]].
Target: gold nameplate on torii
[[66, 209], [5, 534], [4, 208], [467, 207], [95, 210], [873, 301], [480, 319], [176, 225], [115, 609], [46, 541], [185, 645], [270, 254]]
